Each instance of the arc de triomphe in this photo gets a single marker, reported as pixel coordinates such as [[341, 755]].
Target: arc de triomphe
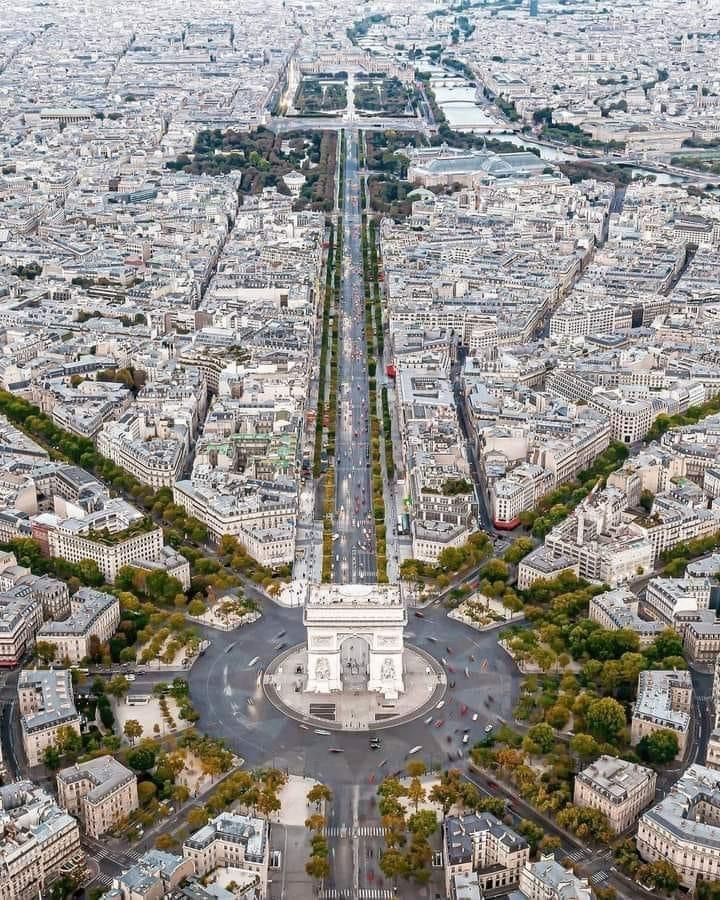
[[355, 638]]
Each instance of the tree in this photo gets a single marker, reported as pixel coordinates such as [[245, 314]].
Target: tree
[[45, 651], [416, 768], [659, 746], [319, 794], [416, 792], [605, 719], [447, 792], [317, 867], [393, 864], [142, 759], [117, 686], [146, 792], [165, 842], [660, 876], [422, 824], [132, 730], [316, 822], [584, 745], [542, 736], [197, 817], [51, 758]]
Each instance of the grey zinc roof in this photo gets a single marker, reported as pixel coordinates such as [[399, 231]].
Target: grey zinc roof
[[105, 772], [677, 811]]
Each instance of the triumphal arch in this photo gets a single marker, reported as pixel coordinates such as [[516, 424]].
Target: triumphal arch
[[355, 638]]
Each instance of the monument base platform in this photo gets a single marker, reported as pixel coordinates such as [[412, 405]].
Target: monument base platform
[[353, 706]]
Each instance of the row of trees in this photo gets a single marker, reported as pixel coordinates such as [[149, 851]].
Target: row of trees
[[82, 452], [559, 503], [318, 864], [375, 349]]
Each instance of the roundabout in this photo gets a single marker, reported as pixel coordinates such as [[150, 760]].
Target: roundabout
[[227, 689], [353, 707]]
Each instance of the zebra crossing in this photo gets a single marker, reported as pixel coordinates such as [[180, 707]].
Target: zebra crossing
[[575, 856], [345, 831], [597, 877], [362, 894]]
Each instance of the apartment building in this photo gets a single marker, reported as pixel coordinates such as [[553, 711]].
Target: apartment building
[[156, 875], [93, 614], [112, 537], [38, 841], [261, 515], [231, 841], [480, 843], [539, 564], [546, 879], [100, 792], [619, 789], [46, 702], [520, 490], [683, 828], [618, 609], [20, 619], [664, 701]]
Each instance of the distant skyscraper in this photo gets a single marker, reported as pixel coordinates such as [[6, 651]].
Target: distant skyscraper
[[533, 8]]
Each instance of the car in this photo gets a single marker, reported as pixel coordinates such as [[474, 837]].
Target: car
[[428, 720], [488, 729], [466, 738], [130, 676], [474, 717], [440, 704], [440, 723], [335, 750]]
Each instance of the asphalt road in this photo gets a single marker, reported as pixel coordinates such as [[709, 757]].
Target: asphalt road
[[225, 690], [354, 558]]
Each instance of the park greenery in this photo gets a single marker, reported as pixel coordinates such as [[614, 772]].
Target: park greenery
[[452, 562], [560, 502], [360, 28], [691, 416], [577, 706], [386, 95], [318, 96], [259, 160]]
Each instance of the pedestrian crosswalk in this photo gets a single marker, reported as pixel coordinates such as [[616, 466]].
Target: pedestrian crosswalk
[[362, 894], [347, 831], [575, 856], [103, 880], [597, 877]]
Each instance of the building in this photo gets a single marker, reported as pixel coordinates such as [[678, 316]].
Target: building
[[483, 845], [546, 879], [355, 638], [45, 698], [113, 537], [619, 789], [664, 701], [540, 565], [231, 841], [683, 828], [38, 841], [94, 614], [20, 618], [618, 609], [100, 792], [155, 875]]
